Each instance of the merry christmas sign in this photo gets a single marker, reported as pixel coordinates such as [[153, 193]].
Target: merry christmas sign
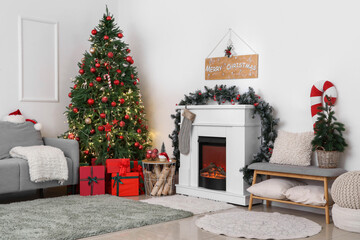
[[235, 67]]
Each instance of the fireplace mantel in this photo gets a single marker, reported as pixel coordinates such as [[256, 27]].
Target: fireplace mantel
[[241, 130]]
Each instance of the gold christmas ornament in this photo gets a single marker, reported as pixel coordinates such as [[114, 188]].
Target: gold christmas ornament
[[90, 38], [92, 50], [88, 121]]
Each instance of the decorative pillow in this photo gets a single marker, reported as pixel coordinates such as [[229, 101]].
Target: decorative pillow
[[274, 187], [17, 134], [308, 194], [292, 148]]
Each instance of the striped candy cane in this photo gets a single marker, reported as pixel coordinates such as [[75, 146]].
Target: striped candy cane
[[107, 76], [318, 94]]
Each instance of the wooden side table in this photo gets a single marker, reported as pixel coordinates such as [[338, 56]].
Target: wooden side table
[[159, 177]]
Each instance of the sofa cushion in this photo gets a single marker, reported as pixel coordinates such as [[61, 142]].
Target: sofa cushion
[[9, 175], [17, 134]]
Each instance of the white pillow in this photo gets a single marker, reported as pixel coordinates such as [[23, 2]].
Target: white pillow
[[274, 187], [292, 148], [308, 194]]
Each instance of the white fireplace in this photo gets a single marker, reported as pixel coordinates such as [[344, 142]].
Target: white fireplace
[[241, 131]]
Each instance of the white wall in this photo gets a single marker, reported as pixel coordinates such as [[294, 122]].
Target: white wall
[[299, 43], [76, 20]]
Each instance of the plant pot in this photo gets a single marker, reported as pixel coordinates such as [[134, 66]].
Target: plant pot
[[328, 159]]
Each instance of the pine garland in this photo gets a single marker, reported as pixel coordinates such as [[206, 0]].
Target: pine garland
[[222, 94]]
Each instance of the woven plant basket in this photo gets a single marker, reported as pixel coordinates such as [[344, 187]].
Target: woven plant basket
[[328, 159]]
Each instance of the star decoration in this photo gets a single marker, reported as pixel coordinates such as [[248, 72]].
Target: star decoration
[[115, 121], [108, 127]]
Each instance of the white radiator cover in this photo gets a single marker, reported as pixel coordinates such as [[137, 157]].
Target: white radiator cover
[[241, 130]]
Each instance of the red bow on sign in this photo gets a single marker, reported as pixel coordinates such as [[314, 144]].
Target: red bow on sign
[[164, 154]]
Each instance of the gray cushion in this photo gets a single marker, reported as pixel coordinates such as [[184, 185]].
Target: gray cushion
[[17, 134], [309, 170]]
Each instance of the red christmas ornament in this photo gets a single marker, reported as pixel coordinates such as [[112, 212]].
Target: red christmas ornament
[[128, 59], [199, 93], [127, 117], [121, 137], [140, 121], [90, 101], [106, 37], [120, 35], [148, 156], [153, 155], [122, 101], [134, 82], [108, 18], [116, 82], [92, 131], [122, 83], [113, 104], [104, 99], [102, 115], [256, 104], [92, 70], [122, 124], [75, 86], [118, 70], [81, 71], [82, 65], [70, 95], [155, 151], [110, 55], [137, 102], [86, 152], [91, 84], [70, 105], [132, 61], [141, 147], [138, 131], [94, 32], [77, 139], [132, 76], [97, 65], [71, 136], [136, 144], [101, 128], [98, 79], [128, 50], [75, 110]]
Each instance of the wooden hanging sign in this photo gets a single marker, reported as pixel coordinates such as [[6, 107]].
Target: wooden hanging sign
[[235, 67]]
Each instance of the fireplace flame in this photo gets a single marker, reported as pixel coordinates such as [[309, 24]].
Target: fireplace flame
[[213, 171]]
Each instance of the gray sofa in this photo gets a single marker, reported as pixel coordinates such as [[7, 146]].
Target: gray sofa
[[14, 172]]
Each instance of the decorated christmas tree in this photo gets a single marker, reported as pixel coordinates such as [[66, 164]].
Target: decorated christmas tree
[[106, 114]]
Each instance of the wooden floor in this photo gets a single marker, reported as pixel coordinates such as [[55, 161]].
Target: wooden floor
[[185, 229]]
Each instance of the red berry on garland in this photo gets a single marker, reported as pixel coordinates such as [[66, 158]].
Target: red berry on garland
[[138, 131], [113, 104], [128, 50], [70, 105], [141, 147], [116, 82], [122, 101], [120, 35], [134, 82], [256, 104], [101, 128], [127, 117], [122, 83], [70, 95], [136, 144], [91, 84], [71, 136], [121, 137], [104, 99], [122, 124], [110, 55], [90, 101], [108, 18], [148, 156], [132, 76], [92, 131], [92, 70], [94, 32], [97, 65], [118, 70], [81, 71], [86, 152], [200, 93], [106, 37], [98, 79], [128, 59], [75, 110], [77, 139], [102, 115]]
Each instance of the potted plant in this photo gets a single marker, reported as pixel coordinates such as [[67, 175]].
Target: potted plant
[[328, 141]]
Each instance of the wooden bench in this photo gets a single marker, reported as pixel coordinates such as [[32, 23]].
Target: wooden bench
[[310, 172]]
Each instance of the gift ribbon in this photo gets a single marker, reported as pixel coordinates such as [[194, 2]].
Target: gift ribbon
[[91, 179], [117, 181]]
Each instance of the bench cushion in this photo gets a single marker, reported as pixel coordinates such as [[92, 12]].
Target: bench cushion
[[309, 170]]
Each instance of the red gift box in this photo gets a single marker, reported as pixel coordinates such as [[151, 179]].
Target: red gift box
[[126, 185], [136, 166], [92, 180], [121, 166]]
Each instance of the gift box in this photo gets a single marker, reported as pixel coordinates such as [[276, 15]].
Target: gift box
[[136, 166], [125, 185], [121, 166], [92, 180]]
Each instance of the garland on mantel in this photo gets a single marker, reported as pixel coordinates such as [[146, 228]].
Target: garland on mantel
[[222, 94]]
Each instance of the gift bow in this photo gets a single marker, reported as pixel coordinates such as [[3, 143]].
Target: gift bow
[[91, 180], [123, 167], [164, 154]]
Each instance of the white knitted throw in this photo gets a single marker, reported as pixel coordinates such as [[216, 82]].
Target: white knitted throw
[[45, 163]]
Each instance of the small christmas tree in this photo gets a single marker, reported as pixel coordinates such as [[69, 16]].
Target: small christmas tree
[[163, 148], [328, 132], [106, 114]]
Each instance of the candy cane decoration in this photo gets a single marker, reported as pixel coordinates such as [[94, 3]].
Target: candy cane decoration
[[318, 90], [107, 76]]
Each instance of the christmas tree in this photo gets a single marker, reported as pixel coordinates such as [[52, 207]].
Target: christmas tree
[[106, 114]]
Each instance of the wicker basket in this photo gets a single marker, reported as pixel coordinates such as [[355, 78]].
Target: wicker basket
[[328, 159]]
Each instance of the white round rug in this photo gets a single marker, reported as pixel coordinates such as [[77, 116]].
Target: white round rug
[[260, 225]]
